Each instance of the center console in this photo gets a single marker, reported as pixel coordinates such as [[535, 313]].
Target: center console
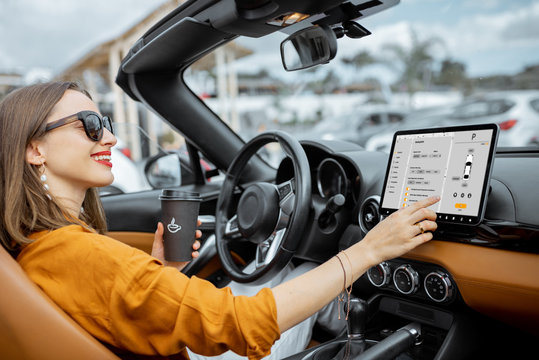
[[357, 345]]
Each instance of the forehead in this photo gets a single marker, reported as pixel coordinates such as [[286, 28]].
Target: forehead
[[71, 103]]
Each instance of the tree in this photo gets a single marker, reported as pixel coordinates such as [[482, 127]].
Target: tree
[[414, 64], [360, 60], [453, 73], [325, 85]]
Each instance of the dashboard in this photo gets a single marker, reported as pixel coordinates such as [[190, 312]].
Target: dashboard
[[490, 268]]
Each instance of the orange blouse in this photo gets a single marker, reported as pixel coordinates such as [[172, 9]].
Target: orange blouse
[[128, 299]]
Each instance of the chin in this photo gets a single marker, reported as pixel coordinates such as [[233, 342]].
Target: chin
[[104, 181]]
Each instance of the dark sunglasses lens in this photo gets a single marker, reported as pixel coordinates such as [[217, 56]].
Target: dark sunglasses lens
[[108, 124], [92, 123]]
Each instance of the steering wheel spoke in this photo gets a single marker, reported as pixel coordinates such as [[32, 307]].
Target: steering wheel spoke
[[287, 197], [232, 229], [266, 250]]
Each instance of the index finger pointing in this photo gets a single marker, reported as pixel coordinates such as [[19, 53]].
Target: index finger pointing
[[422, 204]]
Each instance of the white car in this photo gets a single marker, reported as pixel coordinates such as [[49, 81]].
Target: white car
[[515, 111], [127, 176], [467, 167]]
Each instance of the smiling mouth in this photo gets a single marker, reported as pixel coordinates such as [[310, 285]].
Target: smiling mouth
[[103, 157]]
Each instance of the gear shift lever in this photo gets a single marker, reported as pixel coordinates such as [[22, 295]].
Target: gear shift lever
[[357, 318], [353, 345]]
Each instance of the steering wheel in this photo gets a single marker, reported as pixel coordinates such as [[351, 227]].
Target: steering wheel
[[271, 216]]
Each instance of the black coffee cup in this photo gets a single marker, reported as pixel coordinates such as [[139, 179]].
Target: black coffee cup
[[179, 213]]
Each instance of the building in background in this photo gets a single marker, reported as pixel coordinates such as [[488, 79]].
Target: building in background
[[9, 81], [137, 126]]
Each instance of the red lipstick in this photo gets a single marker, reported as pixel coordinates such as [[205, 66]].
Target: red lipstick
[[102, 157], [101, 153]]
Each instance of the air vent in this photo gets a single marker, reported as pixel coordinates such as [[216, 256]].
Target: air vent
[[369, 213]]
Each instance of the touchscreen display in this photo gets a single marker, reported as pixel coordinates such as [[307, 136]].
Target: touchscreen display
[[453, 162]]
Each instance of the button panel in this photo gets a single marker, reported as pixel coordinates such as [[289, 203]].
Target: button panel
[[413, 279]]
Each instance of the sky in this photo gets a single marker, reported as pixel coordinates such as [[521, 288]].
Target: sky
[[489, 36], [52, 34]]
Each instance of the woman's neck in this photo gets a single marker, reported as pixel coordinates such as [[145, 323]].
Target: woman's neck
[[72, 206], [69, 197]]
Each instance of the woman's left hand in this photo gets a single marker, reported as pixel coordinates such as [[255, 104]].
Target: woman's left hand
[[158, 249]]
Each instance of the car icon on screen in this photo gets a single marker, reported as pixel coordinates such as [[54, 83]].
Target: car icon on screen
[[467, 167]]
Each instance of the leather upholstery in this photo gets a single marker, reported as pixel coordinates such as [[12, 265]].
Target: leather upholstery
[[33, 327], [501, 284]]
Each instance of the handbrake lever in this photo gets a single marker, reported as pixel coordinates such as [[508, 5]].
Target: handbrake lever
[[398, 342]]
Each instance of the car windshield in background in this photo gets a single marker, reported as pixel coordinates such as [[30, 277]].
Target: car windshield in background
[[426, 64]]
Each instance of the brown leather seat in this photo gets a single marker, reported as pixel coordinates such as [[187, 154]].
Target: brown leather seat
[[33, 327]]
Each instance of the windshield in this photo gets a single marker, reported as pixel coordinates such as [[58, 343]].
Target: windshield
[[426, 64]]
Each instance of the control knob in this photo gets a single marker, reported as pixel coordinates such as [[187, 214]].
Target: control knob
[[438, 286], [406, 279], [379, 275]]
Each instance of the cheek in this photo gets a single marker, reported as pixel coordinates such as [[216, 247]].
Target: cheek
[[68, 163], [65, 152]]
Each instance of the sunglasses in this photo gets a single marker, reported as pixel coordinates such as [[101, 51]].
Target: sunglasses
[[93, 124]]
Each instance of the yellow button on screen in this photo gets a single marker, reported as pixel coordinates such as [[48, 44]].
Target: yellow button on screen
[[460, 206]]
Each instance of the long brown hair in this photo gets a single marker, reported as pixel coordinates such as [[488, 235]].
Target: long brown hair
[[25, 206]]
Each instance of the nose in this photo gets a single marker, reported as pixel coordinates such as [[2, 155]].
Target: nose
[[108, 138]]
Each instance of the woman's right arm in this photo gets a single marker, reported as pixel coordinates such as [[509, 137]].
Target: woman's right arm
[[402, 231]]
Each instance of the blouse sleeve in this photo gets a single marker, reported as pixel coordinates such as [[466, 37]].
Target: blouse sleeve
[[129, 299]]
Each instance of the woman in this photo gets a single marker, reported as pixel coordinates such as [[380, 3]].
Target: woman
[[54, 153]]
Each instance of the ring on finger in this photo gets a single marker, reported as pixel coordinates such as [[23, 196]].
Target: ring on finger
[[421, 229]]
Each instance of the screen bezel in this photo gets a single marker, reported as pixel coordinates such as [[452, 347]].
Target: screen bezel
[[450, 218]]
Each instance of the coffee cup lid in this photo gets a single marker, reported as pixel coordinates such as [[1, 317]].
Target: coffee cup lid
[[173, 194]]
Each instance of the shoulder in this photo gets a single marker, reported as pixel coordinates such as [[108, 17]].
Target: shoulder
[[71, 236], [77, 243]]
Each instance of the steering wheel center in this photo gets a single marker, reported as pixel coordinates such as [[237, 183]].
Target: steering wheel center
[[258, 212]]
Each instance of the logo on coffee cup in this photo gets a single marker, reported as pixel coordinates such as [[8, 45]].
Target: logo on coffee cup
[[173, 227]]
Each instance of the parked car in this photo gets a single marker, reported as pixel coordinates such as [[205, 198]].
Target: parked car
[[128, 177], [435, 116], [516, 112], [485, 277], [358, 126]]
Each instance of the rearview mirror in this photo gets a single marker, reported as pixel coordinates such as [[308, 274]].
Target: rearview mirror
[[308, 47]]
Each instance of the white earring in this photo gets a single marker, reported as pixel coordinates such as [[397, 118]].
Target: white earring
[[43, 179]]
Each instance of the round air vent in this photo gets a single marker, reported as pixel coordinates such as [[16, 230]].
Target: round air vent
[[369, 213]]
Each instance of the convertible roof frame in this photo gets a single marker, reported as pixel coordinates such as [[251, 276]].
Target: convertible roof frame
[[152, 70]]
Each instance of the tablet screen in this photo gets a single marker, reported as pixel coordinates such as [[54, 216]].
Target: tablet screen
[[452, 162]]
